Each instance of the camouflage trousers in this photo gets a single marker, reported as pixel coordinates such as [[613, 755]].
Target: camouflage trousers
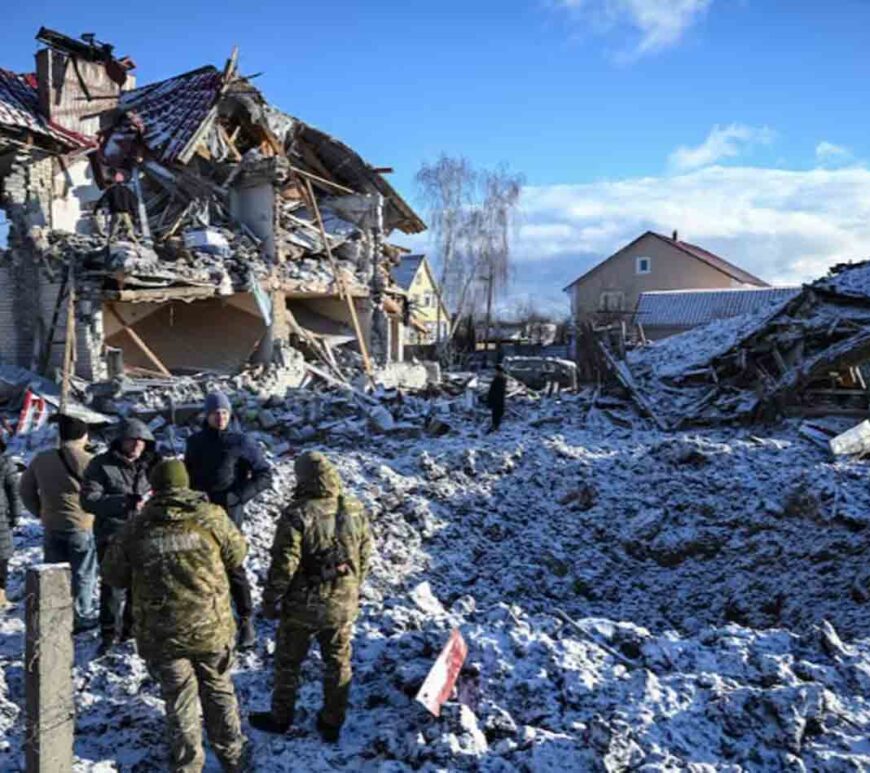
[[291, 647], [184, 684]]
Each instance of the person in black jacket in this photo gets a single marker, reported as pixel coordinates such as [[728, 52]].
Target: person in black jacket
[[10, 511], [114, 489], [229, 467], [495, 398], [122, 204]]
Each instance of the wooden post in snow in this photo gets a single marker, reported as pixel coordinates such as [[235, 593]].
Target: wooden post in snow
[[48, 661]]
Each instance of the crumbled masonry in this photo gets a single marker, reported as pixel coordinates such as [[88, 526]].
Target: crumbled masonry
[[630, 598]]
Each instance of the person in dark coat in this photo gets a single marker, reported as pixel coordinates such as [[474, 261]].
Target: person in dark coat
[[115, 488], [121, 203], [10, 511], [229, 467], [495, 398]]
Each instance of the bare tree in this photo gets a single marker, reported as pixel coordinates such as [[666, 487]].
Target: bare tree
[[447, 188], [501, 195], [472, 216]]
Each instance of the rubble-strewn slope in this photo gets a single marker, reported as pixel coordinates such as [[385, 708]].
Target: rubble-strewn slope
[[698, 568]]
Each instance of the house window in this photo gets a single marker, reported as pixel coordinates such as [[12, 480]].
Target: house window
[[611, 300], [643, 265], [427, 300]]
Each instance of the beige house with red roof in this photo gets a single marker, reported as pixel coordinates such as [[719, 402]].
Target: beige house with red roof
[[611, 289]]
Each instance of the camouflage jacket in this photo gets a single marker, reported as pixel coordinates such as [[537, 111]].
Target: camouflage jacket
[[176, 553], [321, 519]]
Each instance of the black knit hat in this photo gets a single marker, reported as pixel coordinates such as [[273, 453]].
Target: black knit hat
[[70, 428]]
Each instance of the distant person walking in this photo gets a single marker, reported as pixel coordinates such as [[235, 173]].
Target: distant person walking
[[229, 467], [115, 489], [496, 397], [51, 489], [320, 558], [175, 555], [10, 511]]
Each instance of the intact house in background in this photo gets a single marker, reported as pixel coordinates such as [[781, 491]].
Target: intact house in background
[[260, 238], [610, 291], [664, 313], [414, 275]]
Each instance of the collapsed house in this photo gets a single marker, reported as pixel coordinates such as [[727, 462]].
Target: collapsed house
[[260, 237], [801, 356]]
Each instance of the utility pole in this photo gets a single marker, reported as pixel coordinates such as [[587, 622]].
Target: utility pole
[[490, 280]]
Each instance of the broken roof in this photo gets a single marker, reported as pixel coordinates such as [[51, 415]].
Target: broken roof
[[690, 308], [175, 111], [699, 253], [404, 273], [20, 113], [352, 170]]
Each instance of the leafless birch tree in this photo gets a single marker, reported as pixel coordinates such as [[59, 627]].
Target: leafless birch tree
[[447, 188], [472, 216]]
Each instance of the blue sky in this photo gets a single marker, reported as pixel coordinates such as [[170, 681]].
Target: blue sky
[[741, 122]]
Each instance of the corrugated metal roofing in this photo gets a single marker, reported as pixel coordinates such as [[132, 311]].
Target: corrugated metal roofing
[[404, 273], [19, 110], [173, 110], [691, 308]]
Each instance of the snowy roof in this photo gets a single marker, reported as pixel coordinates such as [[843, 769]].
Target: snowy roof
[[699, 253], [848, 279], [19, 111], [173, 110], [690, 308], [404, 273]]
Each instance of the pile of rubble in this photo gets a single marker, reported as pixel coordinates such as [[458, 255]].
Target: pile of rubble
[[801, 357], [630, 599]]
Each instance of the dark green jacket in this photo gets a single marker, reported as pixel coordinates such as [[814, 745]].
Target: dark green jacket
[[321, 516], [176, 554]]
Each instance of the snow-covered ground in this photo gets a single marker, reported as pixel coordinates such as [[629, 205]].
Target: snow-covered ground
[[717, 584]]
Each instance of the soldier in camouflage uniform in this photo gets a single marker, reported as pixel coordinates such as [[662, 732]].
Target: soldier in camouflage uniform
[[319, 560], [176, 554]]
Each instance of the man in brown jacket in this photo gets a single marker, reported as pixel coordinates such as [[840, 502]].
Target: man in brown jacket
[[51, 488]]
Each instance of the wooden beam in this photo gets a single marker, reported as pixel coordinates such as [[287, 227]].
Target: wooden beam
[[323, 181], [339, 280], [69, 351], [137, 339]]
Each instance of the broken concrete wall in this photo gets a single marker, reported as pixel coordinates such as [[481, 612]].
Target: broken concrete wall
[[74, 194], [90, 360], [253, 205], [25, 194], [402, 375]]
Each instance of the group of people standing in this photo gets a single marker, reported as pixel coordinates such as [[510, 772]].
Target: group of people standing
[[164, 537]]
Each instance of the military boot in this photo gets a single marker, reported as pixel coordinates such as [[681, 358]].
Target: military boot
[[107, 644], [266, 721], [329, 733], [247, 634]]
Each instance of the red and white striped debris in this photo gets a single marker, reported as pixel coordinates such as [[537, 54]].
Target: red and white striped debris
[[439, 683]]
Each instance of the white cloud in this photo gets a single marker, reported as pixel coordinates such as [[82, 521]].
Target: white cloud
[[659, 24], [830, 154], [722, 142], [785, 226]]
